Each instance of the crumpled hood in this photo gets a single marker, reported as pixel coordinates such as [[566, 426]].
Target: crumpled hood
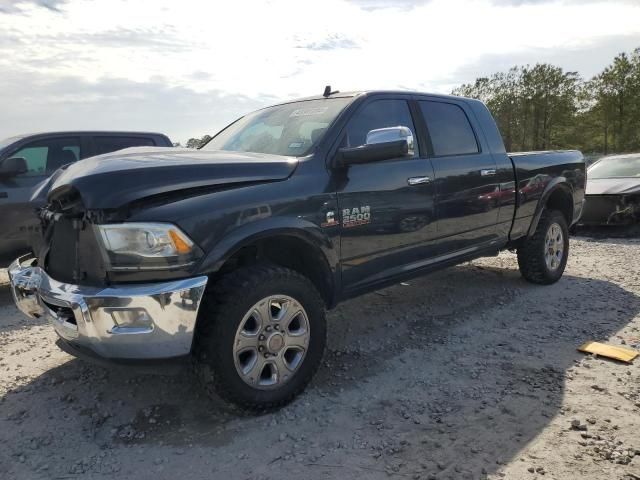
[[613, 186], [118, 178]]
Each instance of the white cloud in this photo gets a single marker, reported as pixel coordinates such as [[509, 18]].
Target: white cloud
[[283, 48]]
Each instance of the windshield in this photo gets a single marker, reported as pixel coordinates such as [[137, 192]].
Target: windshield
[[292, 129], [626, 166]]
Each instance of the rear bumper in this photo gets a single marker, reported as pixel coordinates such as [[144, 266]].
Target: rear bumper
[[133, 321]]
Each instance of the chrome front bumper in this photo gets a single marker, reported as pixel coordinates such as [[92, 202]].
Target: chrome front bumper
[[134, 321]]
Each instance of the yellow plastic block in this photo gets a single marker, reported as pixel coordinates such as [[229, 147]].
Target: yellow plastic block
[[611, 351]]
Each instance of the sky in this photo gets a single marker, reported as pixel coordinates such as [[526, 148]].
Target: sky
[[187, 68]]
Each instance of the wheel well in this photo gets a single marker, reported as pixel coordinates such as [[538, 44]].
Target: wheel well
[[290, 252], [561, 200]]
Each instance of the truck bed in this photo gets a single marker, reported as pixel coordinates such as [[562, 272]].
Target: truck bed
[[534, 173]]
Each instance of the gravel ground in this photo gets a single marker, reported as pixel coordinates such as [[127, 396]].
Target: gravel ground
[[467, 373]]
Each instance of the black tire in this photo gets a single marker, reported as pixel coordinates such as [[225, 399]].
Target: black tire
[[531, 254], [224, 306]]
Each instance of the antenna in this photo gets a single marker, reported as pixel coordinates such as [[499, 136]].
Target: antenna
[[327, 91]]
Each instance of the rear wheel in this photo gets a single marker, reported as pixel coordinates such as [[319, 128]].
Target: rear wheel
[[543, 257], [261, 336]]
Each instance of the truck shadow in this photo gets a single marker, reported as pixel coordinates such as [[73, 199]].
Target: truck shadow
[[451, 374]]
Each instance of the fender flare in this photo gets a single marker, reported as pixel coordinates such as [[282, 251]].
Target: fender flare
[[297, 227], [558, 183]]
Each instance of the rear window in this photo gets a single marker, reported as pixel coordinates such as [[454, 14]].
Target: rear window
[[108, 144], [449, 128]]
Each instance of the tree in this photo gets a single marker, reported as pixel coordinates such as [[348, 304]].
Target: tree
[[616, 93], [531, 105], [197, 142]]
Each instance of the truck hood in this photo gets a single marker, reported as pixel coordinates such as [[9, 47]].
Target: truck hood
[[613, 186], [116, 179]]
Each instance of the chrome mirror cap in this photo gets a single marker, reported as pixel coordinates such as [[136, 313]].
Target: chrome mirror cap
[[392, 134]]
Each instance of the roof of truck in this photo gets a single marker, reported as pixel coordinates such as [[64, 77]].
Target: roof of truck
[[358, 93]]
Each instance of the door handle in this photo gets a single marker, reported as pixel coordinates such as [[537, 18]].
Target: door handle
[[418, 180], [4, 195], [488, 172]]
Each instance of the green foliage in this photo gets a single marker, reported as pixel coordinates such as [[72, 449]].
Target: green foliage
[[197, 142], [543, 107]]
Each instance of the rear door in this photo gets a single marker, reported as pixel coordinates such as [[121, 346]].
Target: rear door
[[467, 192], [385, 208], [17, 214]]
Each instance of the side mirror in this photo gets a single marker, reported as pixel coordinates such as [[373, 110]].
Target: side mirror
[[13, 166], [382, 144]]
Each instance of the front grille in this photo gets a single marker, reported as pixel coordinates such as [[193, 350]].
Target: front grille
[[62, 259], [71, 251]]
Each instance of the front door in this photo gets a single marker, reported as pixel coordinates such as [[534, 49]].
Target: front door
[[386, 208], [466, 184]]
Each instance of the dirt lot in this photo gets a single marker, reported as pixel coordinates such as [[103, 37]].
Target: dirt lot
[[468, 373]]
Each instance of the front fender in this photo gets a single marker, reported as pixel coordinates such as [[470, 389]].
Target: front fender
[[560, 182], [244, 235]]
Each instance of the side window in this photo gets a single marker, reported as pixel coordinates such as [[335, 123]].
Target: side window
[[45, 156], [378, 114], [449, 128], [106, 144]]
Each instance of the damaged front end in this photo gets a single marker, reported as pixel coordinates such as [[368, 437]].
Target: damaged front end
[[71, 283], [611, 210], [120, 288], [100, 247], [68, 249]]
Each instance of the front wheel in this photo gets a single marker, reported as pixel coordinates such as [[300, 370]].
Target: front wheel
[[543, 257], [261, 336]]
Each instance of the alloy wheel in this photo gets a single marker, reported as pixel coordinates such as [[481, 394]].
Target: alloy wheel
[[554, 246], [271, 342]]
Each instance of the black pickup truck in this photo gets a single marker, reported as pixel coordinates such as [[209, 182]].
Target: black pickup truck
[[232, 253]]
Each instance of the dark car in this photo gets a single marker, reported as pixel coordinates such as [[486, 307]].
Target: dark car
[[613, 191], [231, 253], [27, 162]]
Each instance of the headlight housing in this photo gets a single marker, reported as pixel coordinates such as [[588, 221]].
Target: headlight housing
[[146, 246]]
